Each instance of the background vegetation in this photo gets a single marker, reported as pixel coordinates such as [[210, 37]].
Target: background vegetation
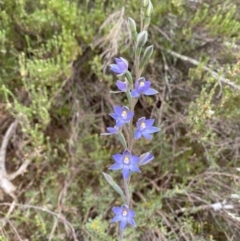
[[55, 82]]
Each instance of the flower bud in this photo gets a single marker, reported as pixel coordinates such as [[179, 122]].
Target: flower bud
[[145, 3], [146, 56], [132, 24], [149, 10], [133, 28], [142, 39]]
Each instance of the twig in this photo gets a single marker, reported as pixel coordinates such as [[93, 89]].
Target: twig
[[15, 230], [53, 229], [214, 74], [215, 206], [5, 183], [59, 217], [3, 149], [20, 170], [5, 178]]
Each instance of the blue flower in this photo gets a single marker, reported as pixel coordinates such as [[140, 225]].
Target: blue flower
[[124, 215], [120, 67], [142, 86], [145, 128], [123, 86], [127, 162], [145, 158], [111, 131], [122, 115]]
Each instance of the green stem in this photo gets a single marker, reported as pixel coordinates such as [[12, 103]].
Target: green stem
[[127, 193], [132, 103], [121, 236]]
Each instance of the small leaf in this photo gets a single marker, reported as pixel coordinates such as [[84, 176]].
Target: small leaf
[[122, 139], [115, 92], [114, 185], [105, 134]]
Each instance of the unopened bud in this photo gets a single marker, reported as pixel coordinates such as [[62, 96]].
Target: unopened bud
[[145, 3], [149, 10], [146, 56], [132, 24], [142, 39], [133, 28]]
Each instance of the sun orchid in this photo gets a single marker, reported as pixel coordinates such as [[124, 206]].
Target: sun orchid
[[120, 67], [124, 131], [127, 162], [142, 86], [123, 86], [145, 128], [124, 215], [122, 115]]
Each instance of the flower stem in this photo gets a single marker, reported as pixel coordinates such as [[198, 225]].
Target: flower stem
[[121, 236], [137, 70], [127, 193]]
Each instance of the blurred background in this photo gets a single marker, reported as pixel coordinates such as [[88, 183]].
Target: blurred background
[[54, 85]]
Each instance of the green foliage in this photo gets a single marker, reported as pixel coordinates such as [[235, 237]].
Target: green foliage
[[97, 229]]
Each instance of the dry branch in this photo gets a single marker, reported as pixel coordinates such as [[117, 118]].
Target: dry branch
[[5, 183], [214, 74]]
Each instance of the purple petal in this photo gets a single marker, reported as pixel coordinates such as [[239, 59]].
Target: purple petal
[[147, 157], [113, 115], [153, 129], [132, 222], [137, 134], [127, 153], [149, 122], [150, 91], [115, 68], [135, 160], [145, 87], [125, 172], [147, 135], [116, 219], [125, 108], [131, 214], [118, 60], [118, 158], [118, 110], [123, 224], [147, 84], [130, 115], [134, 93], [122, 85], [112, 130], [117, 210], [120, 122], [134, 168], [122, 66], [138, 81], [139, 122], [125, 61], [122, 63], [116, 166]]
